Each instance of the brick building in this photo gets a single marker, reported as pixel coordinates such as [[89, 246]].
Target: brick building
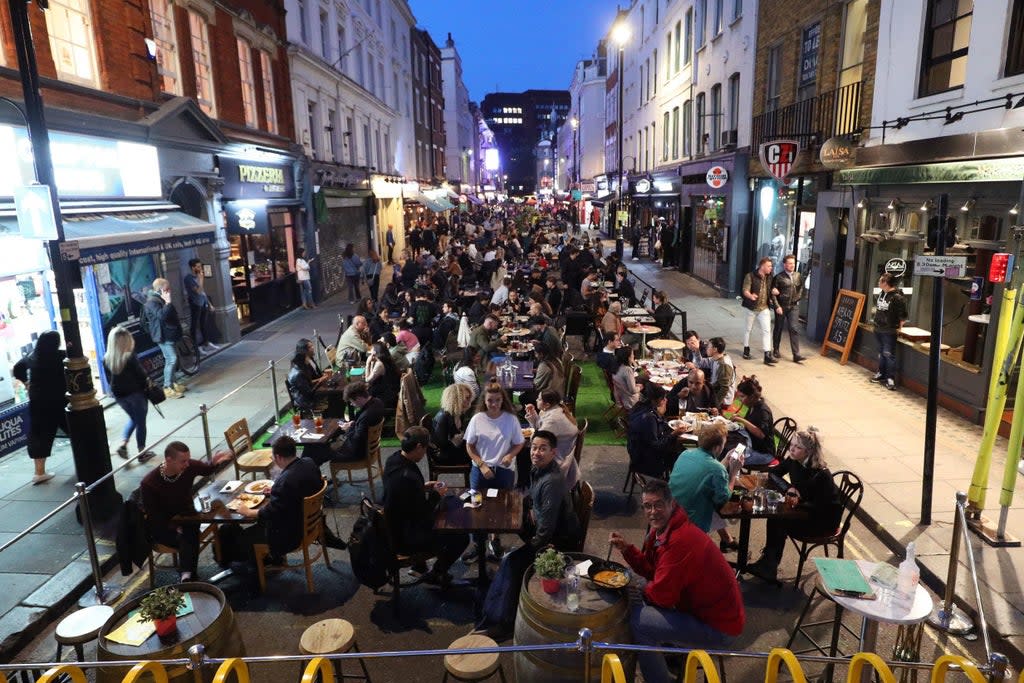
[[428, 108]]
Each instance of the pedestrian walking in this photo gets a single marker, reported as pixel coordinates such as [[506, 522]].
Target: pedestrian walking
[[302, 277], [389, 240], [128, 382], [890, 314], [668, 242], [371, 270], [165, 329], [788, 290], [199, 307], [352, 265], [759, 302], [42, 373]]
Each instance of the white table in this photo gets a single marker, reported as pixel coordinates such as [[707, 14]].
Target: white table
[[901, 612]]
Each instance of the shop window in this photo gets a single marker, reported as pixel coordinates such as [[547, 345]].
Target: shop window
[[165, 37], [946, 41], [200, 37], [269, 103], [248, 83], [69, 25], [1015, 46]]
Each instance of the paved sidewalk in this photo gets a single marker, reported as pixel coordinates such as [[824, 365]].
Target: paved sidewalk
[[879, 435]]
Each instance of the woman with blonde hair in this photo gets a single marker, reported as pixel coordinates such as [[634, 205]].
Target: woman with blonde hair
[[812, 488], [128, 382], [449, 423]]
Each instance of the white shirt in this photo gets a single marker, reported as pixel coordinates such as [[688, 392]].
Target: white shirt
[[492, 439], [301, 269], [500, 296]]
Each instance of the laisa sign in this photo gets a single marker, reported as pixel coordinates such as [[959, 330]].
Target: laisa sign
[[717, 177], [778, 157], [837, 153]]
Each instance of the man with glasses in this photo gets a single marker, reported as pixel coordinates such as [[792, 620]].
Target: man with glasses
[[691, 598]]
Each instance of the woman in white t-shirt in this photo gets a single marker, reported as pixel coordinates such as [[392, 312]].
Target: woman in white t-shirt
[[493, 439], [302, 276]]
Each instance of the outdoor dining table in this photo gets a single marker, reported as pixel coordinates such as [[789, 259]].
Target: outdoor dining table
[[734, 510], [501, 514], [314, 441], [643, 331], [331, 391], [523, 378]]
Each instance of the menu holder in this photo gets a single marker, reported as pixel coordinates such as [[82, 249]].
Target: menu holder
[[843, 577]]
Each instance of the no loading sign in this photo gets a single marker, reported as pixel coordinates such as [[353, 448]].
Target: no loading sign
[[717, 177]]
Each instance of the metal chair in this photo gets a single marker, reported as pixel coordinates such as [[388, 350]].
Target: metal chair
[[371, 461], [312, 533], [851, 491]]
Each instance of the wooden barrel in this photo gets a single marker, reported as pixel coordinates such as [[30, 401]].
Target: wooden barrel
[[545, 619], [212, 623]]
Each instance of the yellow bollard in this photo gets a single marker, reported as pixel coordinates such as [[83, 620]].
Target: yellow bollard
[[611, 670], [776, 658], [155, 669], [862, 659], [699, 659], [76, 674], [235, 664], [318, 665], [943, 663]]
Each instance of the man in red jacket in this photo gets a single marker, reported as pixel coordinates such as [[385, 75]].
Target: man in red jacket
[[691, 598]]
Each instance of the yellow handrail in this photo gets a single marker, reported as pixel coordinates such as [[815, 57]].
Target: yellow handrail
[[943, 663], [611, 670], [862, 659], [235, 664], [699, 659], [76, 674], [776, 658], [322, 666], [156, 669]]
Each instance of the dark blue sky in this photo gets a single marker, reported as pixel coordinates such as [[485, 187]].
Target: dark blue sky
[[514, 45]]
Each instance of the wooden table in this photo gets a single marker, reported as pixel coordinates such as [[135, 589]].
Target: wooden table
[[643, 331], [219, 512], [331, 428], [732, 510], [502, 514], [666, 344], [332, 392]]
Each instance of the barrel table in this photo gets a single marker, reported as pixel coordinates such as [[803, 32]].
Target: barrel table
[[544, 618], [212, 623]]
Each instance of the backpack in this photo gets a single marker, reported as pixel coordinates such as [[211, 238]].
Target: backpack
[[369, 548], [424, 367]]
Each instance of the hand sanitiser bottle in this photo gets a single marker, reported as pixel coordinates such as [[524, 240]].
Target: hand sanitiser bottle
[[909, 575]]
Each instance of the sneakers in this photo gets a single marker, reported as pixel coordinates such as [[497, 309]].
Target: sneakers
[[146, 455], [797, 358], [180, 388], [494, 550], [776, 354], [41, 478], [746, 353], [878, 378], [768, 359], [122, 451], [470, 553], [171, 393], [890, 384]]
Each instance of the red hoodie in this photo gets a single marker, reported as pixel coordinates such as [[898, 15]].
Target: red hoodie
[[687, 572]]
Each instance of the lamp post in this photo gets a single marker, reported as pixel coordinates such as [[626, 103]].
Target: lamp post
[[620, 34], [575, 138], [87, 429]]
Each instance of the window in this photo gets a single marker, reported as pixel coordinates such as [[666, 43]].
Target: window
[[774, 78], [946, 39], [687, 128], [372, 70], [380, 159], [366, 145], [675, 55], [269, 103], [162, 12], [303, 30], [855, 24], [396, 102], [675, 133], [702, 20], [716, 116], [718, 17], [325, 35], [734, 104], [699, 114], [200, 37], [643, 83], [381, 81], [350, 140], [387, 162], [652, 141], [737, 9], [71, 41], [1015, 48], [654, 71], [311, 130], [248, 82], [668, 56], [360, 74], [664, 136], [688, 37], [342, 62]]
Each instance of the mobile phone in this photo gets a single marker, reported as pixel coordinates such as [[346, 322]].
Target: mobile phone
[[466, 495]]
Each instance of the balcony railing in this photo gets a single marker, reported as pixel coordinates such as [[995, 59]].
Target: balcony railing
[[836, 112]]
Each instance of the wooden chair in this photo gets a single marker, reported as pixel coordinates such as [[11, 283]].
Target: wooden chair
[[577, 450], [207, 537], [851, 491], [583, 504], [312, 533], [371, 461], [246, 460], [434, 468], [572, 385], [398, 561], [784, 428]]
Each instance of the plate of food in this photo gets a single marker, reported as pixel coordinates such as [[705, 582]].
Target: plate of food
[[249, 500], [528, 433], [260, 487], [676, 424], [607, 574]]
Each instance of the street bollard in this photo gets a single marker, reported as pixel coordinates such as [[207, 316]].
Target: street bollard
[[947, 616], [586, 647], [100, 594], [204, 413], [273, 384], [998, 668], [316, 349]]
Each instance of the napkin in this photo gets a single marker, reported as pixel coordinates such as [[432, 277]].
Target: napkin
[[312, 437], [583, 568]]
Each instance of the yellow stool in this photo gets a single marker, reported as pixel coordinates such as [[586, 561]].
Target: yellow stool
[[476, 667], [332, 636]]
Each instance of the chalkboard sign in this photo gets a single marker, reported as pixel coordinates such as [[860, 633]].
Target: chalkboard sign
[[842, 326]]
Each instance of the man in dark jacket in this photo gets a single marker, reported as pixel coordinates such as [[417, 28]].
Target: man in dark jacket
[[165, 329], [409, 504], [369, 412], [890, 313], [788, 289], [624, 288]]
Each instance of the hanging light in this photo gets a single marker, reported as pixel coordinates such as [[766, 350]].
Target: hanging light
[[894, 204], [927, 205], [968, 205], [1015, 210], [861, 204]]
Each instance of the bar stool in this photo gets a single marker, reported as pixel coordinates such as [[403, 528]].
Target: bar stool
[[475, 667], [333, 636], [81, 627]]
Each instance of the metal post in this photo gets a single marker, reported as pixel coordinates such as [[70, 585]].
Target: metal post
[[619, 238], [204, 412], [273, 383], [316, 348], [586, 646], [997, 667], [947, 616], [100, 594], [932, 411], [962, 513]]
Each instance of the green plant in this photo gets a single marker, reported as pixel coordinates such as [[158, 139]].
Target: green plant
[[161, 604], [550, 564]]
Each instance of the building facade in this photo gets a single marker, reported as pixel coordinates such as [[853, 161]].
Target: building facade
[[459, 126], [518, 121], [428, 109]]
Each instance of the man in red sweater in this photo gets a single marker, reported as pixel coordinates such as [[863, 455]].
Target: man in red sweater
[[691, 598]]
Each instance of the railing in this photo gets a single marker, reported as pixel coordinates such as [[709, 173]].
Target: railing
[[680, 314], [832, 113], [699, 663]]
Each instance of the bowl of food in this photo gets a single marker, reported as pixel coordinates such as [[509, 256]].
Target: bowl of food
[[528, 433], [680, 424], [608, 574]]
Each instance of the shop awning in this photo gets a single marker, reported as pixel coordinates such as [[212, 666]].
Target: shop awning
[[437, 205], [109, 235], [473, 199]]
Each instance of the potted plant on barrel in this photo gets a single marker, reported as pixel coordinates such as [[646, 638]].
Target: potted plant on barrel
[[161, 607], [550, 567]]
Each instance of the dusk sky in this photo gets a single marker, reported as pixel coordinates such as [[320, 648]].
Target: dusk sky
[[517, 44]]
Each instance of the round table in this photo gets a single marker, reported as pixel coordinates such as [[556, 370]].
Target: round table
[[644, 330], [636, 311], [673, 345]]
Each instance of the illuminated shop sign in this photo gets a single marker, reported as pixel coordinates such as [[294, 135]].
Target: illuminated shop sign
[[252, 180]]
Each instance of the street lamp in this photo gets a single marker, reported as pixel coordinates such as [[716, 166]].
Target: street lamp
[[620, 35], [575, 139]]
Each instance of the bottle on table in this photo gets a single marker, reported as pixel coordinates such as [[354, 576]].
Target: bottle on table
[[908, 575]]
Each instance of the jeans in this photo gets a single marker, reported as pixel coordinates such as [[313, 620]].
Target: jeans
[[353, 287], [199, 324], [887, 365], [373, 284], [504, 478], [136, 406], [656, 626], [789, 319], [306, 292], [764, 321], [170, 362]]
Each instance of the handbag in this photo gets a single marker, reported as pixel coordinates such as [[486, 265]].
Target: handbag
[[154, 393]]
